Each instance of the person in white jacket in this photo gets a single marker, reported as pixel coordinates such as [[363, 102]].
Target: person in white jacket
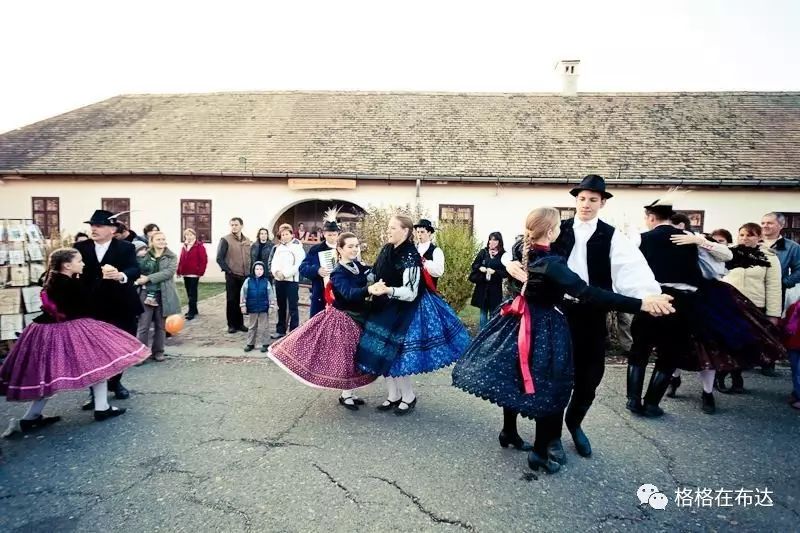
[[285, 266]]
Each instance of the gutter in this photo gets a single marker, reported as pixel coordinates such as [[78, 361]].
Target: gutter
[[529, 180]]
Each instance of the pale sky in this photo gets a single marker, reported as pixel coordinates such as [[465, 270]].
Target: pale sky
[[60, 55]]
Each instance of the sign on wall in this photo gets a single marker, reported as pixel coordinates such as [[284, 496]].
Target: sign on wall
[[301, 184]]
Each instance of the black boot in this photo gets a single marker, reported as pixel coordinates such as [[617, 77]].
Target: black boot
[[719, 382], [555, 451], [536, 461], [573, 418], [769, 370], [674, 383], [737, 382], [659, 381], [709, 407], [635, 386]]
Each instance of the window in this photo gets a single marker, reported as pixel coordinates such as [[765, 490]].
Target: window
[[696, 217], [566, 212], [792, 229], [45, 215], [461, 214], [196, 214], [118, 205]]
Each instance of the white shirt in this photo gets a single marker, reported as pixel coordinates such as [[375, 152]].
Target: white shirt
[[100, 251], [287, 259], [630, 274], [435, 266]]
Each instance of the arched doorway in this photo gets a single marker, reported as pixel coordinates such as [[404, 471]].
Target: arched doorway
[[311, 213]]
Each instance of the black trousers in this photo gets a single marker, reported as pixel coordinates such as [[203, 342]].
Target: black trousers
[[233, 286], [287, 294], [588, 329], [191, 285], [668, 335], [128, 325]]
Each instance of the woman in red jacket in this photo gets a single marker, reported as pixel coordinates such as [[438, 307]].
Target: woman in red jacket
[[192, 267]]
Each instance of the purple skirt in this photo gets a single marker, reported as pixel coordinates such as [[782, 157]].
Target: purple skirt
[[322, 352], [70, 355]]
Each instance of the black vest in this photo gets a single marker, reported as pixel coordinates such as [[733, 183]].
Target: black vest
[[669, 262], [598, 251], [428, 256]]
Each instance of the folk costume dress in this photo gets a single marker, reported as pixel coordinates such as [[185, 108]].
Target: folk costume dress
[[64, 350], [522, 360], [412, 330], [321, 352]]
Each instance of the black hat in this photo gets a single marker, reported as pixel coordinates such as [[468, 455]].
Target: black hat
[[592, 182], [102, 218], [425, 223], [663, 206], [331, 225]]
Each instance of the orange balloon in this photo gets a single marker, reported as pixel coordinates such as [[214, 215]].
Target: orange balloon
[[174, 324]]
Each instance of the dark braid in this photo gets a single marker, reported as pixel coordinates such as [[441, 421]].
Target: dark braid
[[56, 261]]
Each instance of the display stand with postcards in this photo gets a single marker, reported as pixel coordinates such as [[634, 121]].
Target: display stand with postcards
[[23, 252]]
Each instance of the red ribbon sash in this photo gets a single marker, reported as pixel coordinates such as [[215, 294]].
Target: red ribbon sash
[[428, 278], [329, 298], [519, 307]]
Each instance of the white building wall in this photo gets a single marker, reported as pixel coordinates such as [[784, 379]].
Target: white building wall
[[260, 203]]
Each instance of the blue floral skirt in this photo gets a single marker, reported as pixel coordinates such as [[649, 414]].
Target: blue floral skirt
[[490, 367]]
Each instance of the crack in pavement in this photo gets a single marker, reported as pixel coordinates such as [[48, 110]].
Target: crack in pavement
[[619, 518], [347, 493], [197, 397], [224, 507], [660, 448], [266, 443], [430, 514], [53, 492], [296, 421]]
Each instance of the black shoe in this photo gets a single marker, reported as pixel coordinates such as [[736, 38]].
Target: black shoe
[[264, 348], [709, 407], [572, 419], [659, 381], [168, 334], [189, 317], [243, 329], [232, 330], [400, 412], [674, 383], [277, 335], [515, 440], [111, 412], [351, 406], [388, 405], [635, 386], [555, 451], [88, 406], [358, 401], [40, 421], [535, 462], [121, 393], [249, 348]]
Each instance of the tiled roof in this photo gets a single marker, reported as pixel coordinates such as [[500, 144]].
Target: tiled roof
[[632, 135]]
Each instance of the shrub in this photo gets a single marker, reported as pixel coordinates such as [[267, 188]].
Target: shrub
[[460, 247]]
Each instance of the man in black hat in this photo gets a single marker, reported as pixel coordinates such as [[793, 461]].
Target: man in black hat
[[313, 269], [605, 258], [433, 255], [678, 271], [109, 272]]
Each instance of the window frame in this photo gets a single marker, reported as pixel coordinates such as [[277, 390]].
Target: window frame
[[47, 229], [195, 214], [456, 207], [114, 208]]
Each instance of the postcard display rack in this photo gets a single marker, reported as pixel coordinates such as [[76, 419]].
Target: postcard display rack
[[22, 263]]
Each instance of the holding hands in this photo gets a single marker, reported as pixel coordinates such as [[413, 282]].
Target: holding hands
[[110, 272], [516, 271], [379, 288]]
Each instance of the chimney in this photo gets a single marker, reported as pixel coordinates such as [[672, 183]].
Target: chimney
[[569, 76]]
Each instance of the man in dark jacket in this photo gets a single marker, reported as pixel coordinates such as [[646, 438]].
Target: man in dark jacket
[[109, 272], [312, 269]]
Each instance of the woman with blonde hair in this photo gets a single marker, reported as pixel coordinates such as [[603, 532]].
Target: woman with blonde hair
[[530, 372], [160, 299]]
